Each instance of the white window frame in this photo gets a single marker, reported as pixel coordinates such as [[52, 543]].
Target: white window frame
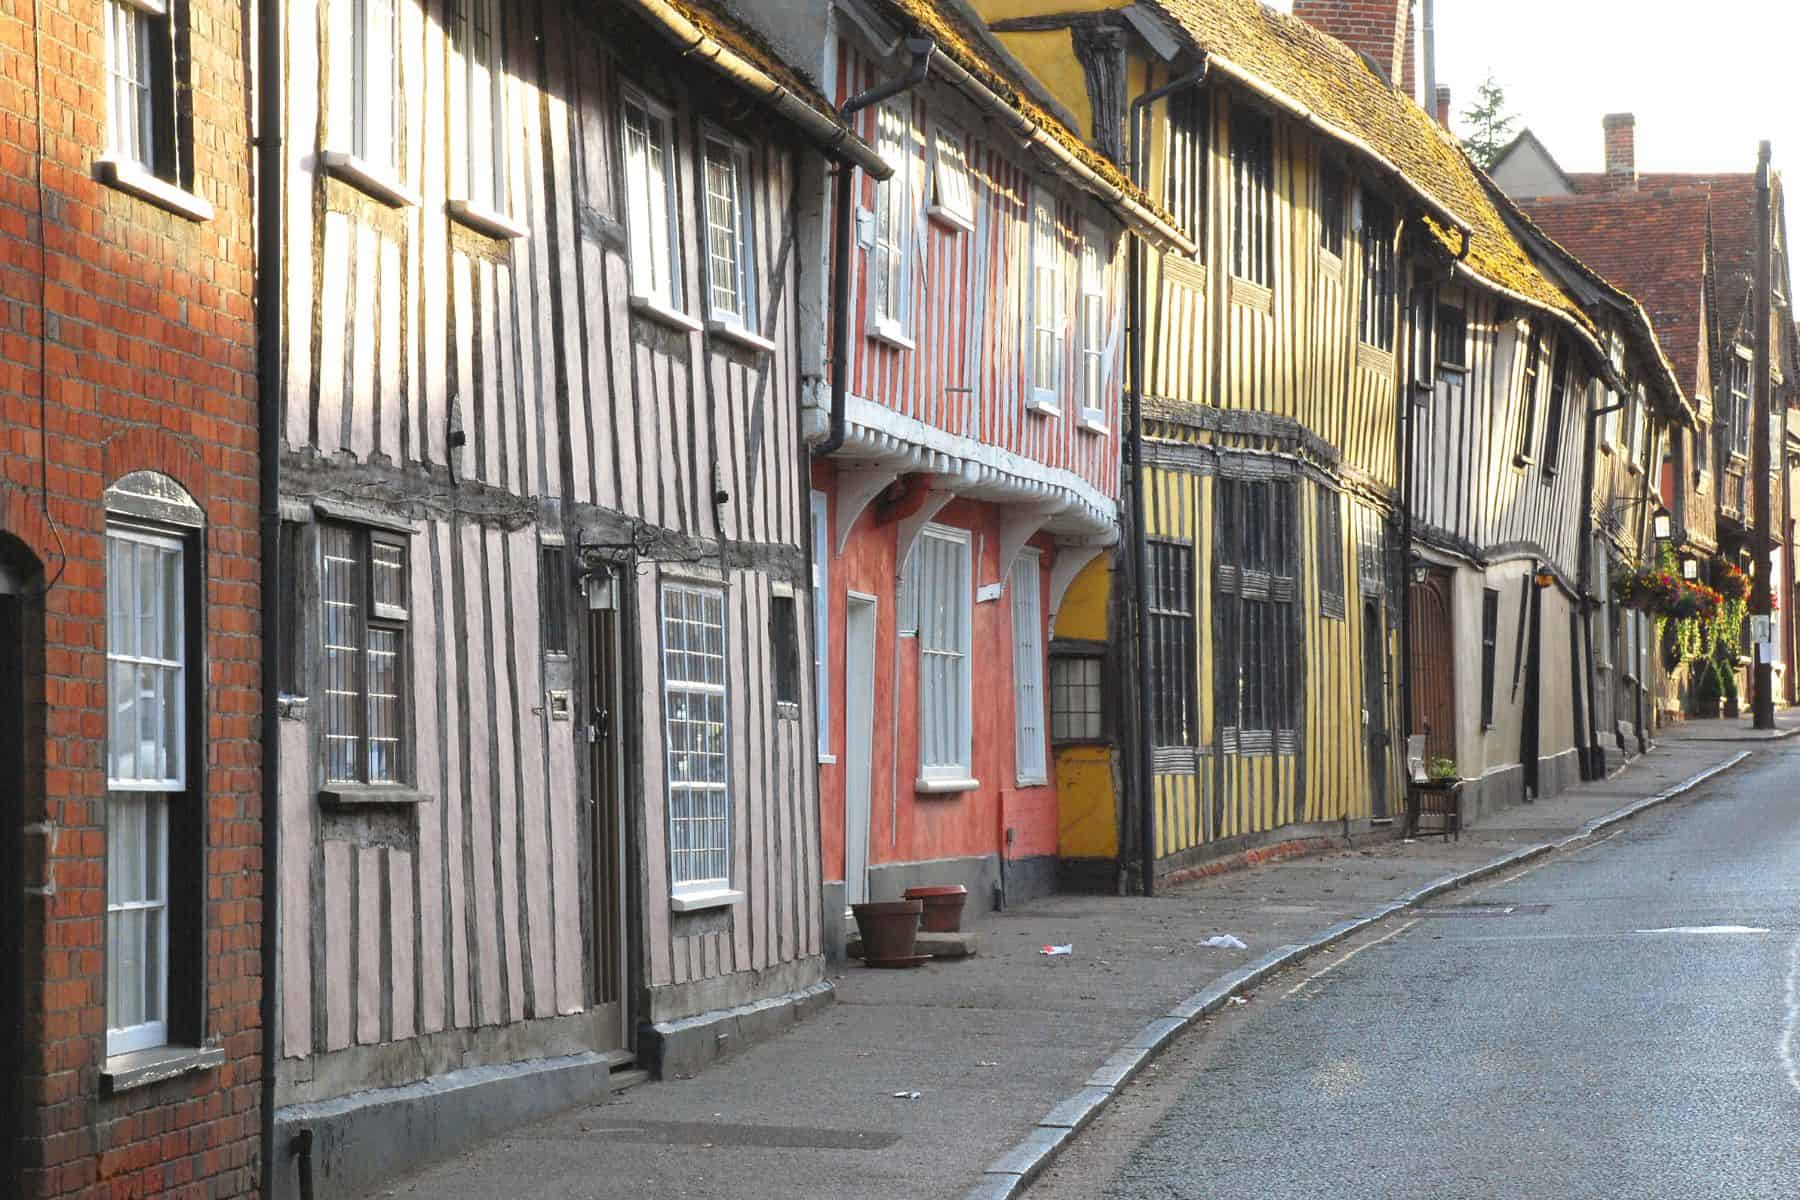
[[652, 209], [1091, 323], [1634, 450], [371, 619], [742, 314], [1030, 720], [888, 262], [375, 83], [147, 798], [1064, 690], [952, 183], [1046, 318], [712, 886], [821, 581], [946, 613], [485, 178]]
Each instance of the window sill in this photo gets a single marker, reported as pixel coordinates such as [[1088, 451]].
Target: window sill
[[888, 333], [661, 310], [293, 708], [1331, 263], [130, 177], [787, 710], [140, 1068], [369, 179], [700, 901], [827, 760], [370, 795], [1251, 294], [485, 220], [945, 787], [731, 331], [1523, 460], [1032, 781], [947, 217], [1093, 421], [1044, 404]]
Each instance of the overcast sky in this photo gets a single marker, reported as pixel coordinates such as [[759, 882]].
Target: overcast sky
[[1707, 80]]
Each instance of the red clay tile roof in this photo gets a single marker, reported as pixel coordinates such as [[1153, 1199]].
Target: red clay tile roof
[[1649, 244]]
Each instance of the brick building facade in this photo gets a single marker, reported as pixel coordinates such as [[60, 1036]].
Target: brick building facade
[[130, 1042]]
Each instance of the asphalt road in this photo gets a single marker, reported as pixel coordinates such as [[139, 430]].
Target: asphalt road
[[1631, 1028]]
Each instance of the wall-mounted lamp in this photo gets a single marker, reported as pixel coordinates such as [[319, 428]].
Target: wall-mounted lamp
[[1661, 525], [1545, 577], [1690, 568]]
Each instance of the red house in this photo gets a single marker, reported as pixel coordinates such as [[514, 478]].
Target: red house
[[130, 832], [967, 462]]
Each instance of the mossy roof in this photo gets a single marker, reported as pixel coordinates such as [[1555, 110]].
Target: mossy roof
[[1348, 96], [974, 49]]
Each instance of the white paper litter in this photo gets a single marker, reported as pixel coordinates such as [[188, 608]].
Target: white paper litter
[[1224, 941], [1054, 950], [906, 1095]]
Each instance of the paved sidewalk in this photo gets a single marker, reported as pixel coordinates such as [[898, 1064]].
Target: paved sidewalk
[[992, 1043]]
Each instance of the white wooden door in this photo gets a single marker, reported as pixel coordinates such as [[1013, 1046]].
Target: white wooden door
[[859, 732]]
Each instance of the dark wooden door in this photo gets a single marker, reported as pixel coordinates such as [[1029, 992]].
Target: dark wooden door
[[1375, 721], [1433, 667], [606, 725]]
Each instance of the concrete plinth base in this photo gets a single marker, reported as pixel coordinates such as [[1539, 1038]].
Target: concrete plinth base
[[962, 944]]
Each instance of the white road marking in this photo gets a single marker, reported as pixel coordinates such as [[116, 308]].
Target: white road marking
[[1340, 962], [1789, 1045], [1707, 929]]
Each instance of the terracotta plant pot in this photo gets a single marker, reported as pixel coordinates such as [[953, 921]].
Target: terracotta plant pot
[[943, 906], [889, 929]]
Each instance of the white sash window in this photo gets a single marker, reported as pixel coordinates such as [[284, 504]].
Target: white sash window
[[946, 603], [1028, 668]]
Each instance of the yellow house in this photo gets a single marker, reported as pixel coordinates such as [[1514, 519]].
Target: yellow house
[[1275, 371]]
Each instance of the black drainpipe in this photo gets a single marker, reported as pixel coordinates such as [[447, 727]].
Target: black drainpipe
[[1140, 548], [268, 445], [842, 217]]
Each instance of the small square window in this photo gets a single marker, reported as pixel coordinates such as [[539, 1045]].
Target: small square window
[[1076, 711]]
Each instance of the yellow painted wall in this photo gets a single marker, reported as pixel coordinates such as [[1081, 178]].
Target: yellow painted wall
[[1294, 352], [1087, 817], [1083, 610]]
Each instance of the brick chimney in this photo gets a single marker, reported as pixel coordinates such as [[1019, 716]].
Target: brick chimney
[[1376, 28], [1443, 106], [1621, 152]]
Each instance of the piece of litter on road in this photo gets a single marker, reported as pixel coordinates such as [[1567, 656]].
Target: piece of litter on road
[[1053, 950], [985, 1063], [906, 1095], [1224, 941], [1237, 1000]]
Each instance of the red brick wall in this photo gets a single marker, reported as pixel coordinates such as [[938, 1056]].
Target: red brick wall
[[148, 360], [1377, 28], [1621, 151]]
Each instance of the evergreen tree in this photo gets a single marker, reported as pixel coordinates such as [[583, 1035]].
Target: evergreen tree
[[1490, 125]]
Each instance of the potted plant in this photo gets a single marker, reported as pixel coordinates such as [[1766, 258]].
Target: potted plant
[[1709, 693], [1439, 794], [943, 906], [890, 931]]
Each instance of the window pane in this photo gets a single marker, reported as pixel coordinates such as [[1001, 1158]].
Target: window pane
[[695, 732], [136, 919], [384, 706], [340, 596], [724, 232]]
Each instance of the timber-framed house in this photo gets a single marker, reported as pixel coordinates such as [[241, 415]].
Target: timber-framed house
[[967, 469], [1685, 245], [1280, 388], [548, 798]]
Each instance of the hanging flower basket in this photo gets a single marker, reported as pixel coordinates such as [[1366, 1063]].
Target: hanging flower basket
[[1651, 590], [1734, 583]]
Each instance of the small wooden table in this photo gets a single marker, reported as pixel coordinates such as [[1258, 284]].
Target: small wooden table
[[1437, 799]]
